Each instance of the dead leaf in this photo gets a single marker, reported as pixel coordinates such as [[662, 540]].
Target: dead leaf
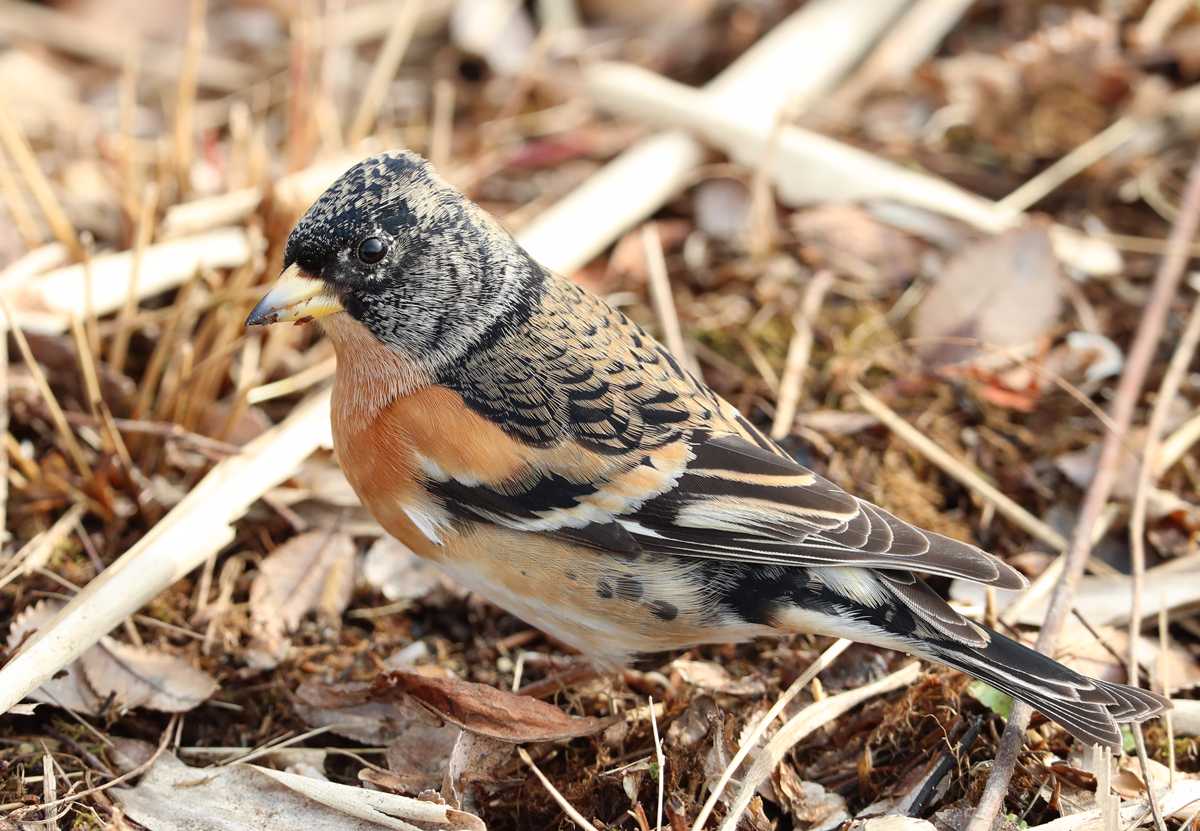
[[137, 676], [722, 208], [172, 796], [132, 676], [1104, 600], [695, 722], [1080, 649], [489, 711], [357, 713], [311, 571], [1004, 291], [419, 756], [807, 802], [321, 478], [851, 241], [399, 574], [714, 677], [248, 423], [67, 688], [475, 762]]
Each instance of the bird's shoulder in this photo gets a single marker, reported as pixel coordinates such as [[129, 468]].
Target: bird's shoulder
[[578, 370]]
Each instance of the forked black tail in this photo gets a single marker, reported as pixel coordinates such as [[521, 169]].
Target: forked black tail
[[1088, 708]]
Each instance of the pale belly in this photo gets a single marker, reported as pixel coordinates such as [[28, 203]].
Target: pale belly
[[608, 608]]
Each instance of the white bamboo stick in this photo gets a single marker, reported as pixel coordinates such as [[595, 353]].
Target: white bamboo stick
[[808, 168], [797, 62], [49, 301]]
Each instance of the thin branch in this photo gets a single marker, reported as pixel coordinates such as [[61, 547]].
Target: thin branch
[[815, 715], [662, 764], [48, 397], [661, 297], [1148, 472], [957, 468], [17, 146], [384, 70], [750, 742], [791, 385], [124, 777], [1166, 283], [567, 807]]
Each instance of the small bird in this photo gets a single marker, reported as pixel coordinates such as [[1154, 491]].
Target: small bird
[[549, 454]]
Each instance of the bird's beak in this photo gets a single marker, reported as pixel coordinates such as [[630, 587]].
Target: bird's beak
[[296, 296]]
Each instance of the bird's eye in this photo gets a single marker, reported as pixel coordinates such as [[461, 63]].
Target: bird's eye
[[371, 250]]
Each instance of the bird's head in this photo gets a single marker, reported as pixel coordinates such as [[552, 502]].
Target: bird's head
[[393, 248]]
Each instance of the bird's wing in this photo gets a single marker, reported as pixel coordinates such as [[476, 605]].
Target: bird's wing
[[627, 451], [738, 501], [714, 496]]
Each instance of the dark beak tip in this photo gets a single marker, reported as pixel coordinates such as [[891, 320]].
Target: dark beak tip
[[260, 315]]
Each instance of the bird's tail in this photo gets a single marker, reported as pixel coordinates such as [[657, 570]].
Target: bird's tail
[[1088, 708]]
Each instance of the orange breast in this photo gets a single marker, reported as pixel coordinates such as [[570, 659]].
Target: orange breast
[[382, 454]]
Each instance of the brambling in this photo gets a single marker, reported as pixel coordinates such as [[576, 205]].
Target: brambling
[[551, 455]]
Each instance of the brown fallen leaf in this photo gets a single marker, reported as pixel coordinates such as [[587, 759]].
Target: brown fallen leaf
[[489, 711], [1004, 291], [131, 676], [311, 571], [247, 423], [1079, 649], [67, 688], [172, 796], [712, 676], [848, 239], [474, 764], [137, 676], [807, 802], [399, 574], [354, 711]]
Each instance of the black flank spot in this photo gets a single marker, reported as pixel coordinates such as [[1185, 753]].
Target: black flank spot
[[663, 610], [629, 588], [604, 589]]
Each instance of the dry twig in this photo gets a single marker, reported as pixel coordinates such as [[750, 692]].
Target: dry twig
[[791, 385], [661, 297], [751, 741], [568, 809]]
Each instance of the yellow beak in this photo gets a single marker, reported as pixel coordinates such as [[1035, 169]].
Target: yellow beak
[[296, 296]]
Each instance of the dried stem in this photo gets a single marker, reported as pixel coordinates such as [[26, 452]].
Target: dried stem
[[799, 350], [569, 809], [22, 155], [384, 70], [119, 349], [661, 297], [185, 102], [958, 469], [27, 226], [751, 741], [39, 378], [1148, 472]]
